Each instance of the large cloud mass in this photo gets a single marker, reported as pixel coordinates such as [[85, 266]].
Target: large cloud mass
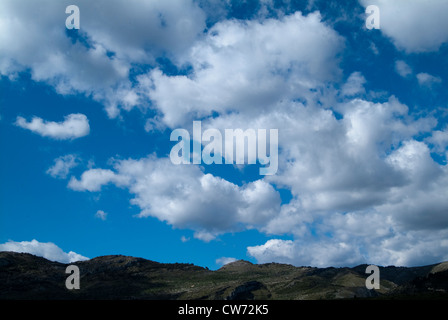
[[363, 189], [97, 59], [362, 177], [245, 66]]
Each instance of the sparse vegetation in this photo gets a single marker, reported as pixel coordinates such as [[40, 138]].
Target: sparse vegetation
[[24, 276]]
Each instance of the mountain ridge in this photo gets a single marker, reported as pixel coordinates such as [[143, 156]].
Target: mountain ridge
[[120, 277]]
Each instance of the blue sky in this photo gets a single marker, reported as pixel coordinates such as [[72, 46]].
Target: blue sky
[[86, 117]]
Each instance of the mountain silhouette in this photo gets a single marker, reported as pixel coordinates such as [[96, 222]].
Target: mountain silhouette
[[27, 277]]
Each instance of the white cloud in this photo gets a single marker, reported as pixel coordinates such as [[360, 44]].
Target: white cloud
[[318, 254], [225, 260], [427, 80], [273, 250], [336, 164], [157, 27], [413, 25], [100, 214], [413, 248], [48, 250], [97, 60], [357, 182], [400, 249], [184, 239], [439, 139], [207, 236], [358, 179], [343, 249], [423, 78], [354, 85], [402, 68], [62, 166], [185, 197], [244, 66], [94, 179], [74, 126]]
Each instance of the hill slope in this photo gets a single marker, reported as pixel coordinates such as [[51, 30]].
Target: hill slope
[[24, 276]]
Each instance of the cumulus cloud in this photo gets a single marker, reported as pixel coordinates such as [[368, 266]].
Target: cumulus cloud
[[358, 182], [331, 163], [100, 214], [94, 179], [402, 68], [354, 85], [48, 250], [343, 249], [427, 80], [185, 197], [439, 139], [396, 222], [184, 239], [74, 126], [225, 260], [412, 249], [248, 60], [363, 183], [96, 59], [424, 79], [273, 250], [62, 166], [320, 254], [413, 25]]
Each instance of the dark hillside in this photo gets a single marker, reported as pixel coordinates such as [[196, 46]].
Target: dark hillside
[[25, 276]]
